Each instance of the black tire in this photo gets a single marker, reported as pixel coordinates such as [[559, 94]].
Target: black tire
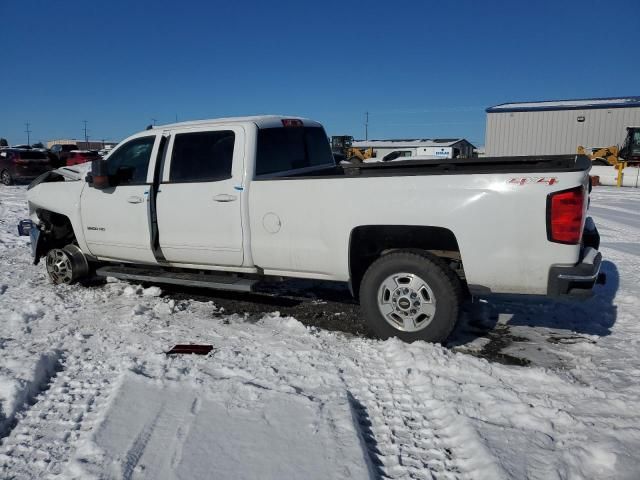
[[440, 279], [5, 178], [66, 265]]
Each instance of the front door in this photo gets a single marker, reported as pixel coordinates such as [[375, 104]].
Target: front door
[[116, 220], [200, 197]]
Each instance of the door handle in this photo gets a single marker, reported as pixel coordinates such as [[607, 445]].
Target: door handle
[[224, 197], [134, 200]]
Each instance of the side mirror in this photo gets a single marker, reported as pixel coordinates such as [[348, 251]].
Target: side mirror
[[100, 174]]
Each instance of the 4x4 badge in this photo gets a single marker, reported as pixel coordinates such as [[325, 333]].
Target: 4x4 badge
[[528, 180]]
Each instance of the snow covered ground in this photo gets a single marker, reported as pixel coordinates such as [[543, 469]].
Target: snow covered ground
[[86, 390]]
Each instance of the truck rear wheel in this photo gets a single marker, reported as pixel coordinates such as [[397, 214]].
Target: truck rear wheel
[[411, 296], [66, 265]]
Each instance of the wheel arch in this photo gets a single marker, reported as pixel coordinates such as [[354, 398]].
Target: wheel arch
[[57, 231], [369, 242]]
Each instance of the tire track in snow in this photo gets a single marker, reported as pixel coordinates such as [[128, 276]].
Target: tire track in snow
[[177, 446], [50, 429], [45, 370], [409, 433], [139, 445]]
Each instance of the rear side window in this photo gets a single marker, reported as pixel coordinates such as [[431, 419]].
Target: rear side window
[[130, 162], [202, 156], [32, 155], [291, 148]]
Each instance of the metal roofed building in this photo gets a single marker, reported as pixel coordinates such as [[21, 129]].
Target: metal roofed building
[[558, 127], [82, 145], [437, 148]]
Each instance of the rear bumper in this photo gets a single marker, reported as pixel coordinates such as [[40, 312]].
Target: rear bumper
[[578, 280]]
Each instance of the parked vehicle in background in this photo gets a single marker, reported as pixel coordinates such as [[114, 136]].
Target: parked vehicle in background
[[61, 152], [227, 203], [105, 151], [77, 157], [18, 164], [343, 149]]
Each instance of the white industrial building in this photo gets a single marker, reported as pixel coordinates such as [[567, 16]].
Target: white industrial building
[[437, 148], [559, 127]]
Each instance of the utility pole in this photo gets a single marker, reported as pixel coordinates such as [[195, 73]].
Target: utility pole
[[27, 124], [366, 126], [153, 121], [86, 137]]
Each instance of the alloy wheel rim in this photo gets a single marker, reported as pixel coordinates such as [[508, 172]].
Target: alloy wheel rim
[[406, 302], [59, 266]]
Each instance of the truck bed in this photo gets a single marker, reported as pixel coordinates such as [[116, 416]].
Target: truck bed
[[463, 166]]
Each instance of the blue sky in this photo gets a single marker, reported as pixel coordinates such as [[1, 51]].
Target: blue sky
[[422, 68]]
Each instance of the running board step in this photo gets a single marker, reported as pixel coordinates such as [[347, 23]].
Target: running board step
[[217, 282]]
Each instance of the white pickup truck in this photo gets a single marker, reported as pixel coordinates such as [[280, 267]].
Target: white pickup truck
[[229, 202]]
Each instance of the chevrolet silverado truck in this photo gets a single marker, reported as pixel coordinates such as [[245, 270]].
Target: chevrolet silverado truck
[[227, 203]]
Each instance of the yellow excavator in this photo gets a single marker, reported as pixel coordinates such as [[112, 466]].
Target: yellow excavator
[[629, 154], [620, 158], [343, 149]]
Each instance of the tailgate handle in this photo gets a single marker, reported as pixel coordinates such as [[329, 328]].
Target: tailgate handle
[[224, 197], [134, 200]]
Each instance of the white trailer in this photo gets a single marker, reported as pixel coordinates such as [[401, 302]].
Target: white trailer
[[437, 148]]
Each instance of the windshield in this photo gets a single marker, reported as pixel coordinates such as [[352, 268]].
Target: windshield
[[635, 143]]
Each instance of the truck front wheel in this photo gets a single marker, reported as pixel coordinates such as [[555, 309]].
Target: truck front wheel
[[411, 296], [66, 265]]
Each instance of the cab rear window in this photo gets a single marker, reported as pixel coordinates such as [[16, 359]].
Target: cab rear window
[[291, 148]]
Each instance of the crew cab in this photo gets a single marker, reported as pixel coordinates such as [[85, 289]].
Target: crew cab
[[229, 202]]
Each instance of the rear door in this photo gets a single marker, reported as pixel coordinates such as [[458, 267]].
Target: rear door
[[117, 220], [199, 200]]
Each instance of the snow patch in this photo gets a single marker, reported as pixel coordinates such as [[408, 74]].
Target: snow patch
[[152, 292], [17, 393], [274, 320], [170, 431]]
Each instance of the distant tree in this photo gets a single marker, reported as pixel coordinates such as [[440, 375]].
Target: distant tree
[[38, 145], [3, 142]]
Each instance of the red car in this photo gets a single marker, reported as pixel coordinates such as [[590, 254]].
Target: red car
[[81, 156], [18, 164]]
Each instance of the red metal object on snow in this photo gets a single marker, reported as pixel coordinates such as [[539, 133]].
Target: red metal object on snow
[[186, 349]]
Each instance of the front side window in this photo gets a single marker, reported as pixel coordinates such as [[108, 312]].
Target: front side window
[[291, 148], [129, 163], [202, 156]]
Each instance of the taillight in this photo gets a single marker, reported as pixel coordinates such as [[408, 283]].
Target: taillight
[[292, 122], [565, 216]]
